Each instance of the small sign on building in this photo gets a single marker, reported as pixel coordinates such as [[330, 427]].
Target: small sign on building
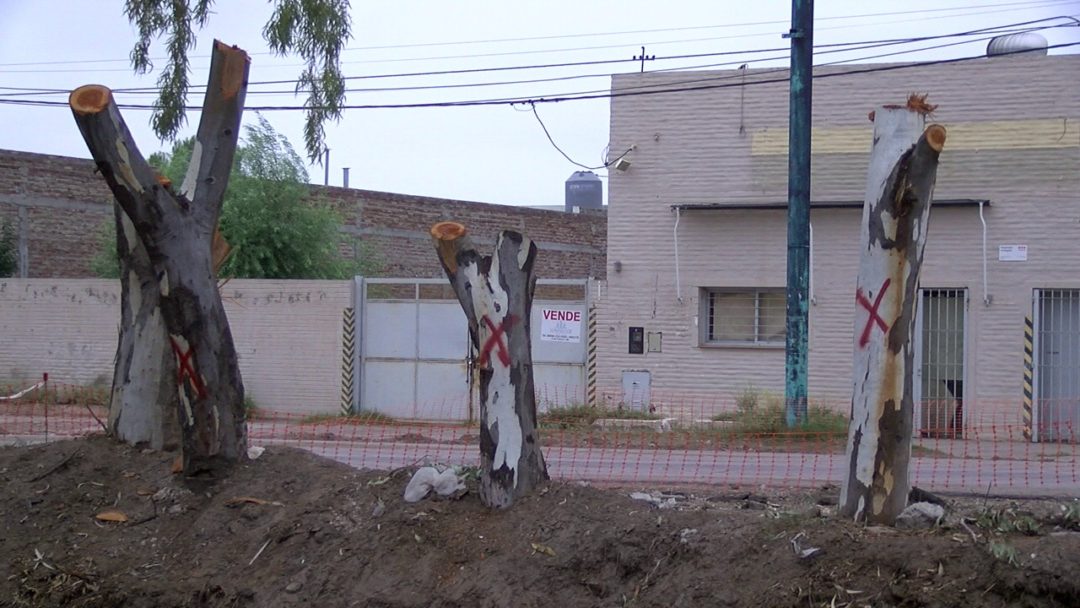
[[1012, 253], [560, 325]]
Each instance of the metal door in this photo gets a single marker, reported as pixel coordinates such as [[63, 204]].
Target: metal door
[[1057, 364], [414, 351], [416, 361], [940, 362]]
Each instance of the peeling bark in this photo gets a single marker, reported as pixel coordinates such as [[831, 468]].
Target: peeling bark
[[896, 213], [496, 293], [176, 231], [144, 400]]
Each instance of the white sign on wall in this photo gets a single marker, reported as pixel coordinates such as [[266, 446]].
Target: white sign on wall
[[560, 325], [1012, 253]]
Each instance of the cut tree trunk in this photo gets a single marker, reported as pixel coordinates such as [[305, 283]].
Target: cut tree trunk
[[176, 228], [900, 184], [144, 404], [496, 293]]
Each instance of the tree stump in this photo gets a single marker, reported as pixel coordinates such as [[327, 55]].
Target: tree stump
[[496, 293], [900, 184], [176, 230]]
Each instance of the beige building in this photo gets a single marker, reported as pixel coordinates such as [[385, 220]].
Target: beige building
[[697, 238]]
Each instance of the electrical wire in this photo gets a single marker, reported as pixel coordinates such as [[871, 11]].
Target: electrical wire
[[567, 156], [570, 97], [829, 48], [1040, 3], [763, 71]]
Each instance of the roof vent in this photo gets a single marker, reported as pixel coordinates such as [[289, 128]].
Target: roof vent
[[1024, 43]]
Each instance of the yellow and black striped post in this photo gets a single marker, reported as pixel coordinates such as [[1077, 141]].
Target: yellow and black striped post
[[1029, 370], [348, 355], [590, 360]]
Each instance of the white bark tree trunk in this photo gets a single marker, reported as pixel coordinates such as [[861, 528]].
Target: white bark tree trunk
[[900, 183], [496, 293], [144, 402], [176, 228]]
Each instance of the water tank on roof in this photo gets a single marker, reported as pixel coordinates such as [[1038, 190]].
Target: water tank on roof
[[584, 190], [1022, 44]]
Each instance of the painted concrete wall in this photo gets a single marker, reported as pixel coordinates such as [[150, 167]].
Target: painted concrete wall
[[287, 333], [1014, 139]]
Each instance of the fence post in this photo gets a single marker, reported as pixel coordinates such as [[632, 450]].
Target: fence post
[[590, 353], [359, 299]]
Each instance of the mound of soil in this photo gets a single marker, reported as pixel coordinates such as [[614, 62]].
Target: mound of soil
[[293, 529]]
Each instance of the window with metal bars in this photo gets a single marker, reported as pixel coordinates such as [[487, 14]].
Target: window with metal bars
[[744, 316]]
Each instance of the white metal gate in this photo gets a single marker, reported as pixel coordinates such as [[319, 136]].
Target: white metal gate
[[940, 362], [415, 358], [1056, 396]]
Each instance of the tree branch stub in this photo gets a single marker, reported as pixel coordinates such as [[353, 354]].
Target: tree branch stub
[[935, 137], [446, 236], [90, 99]]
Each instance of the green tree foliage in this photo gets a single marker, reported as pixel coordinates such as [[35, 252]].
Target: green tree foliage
[[274, 228], [9, 261], [106, 261], [317, 30]]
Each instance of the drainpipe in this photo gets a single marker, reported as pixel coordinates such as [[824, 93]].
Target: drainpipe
[[986, 292], [678, 282], [810, 268]]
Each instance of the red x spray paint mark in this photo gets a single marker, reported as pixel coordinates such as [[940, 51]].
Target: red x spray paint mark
[[495, 340], [185, 368], [875, 318]]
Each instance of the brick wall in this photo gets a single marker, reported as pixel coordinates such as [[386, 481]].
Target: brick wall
[[60, 205]]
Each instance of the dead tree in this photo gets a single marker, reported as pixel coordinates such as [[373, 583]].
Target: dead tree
[[176, 228], [899, 187], [496, 293]]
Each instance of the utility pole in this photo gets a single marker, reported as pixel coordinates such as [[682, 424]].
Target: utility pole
[[798, 220]]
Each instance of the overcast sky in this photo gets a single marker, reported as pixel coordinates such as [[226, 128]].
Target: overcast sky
[[496, 154]]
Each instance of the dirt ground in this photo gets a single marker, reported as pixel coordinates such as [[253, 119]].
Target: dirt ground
[[293, 529]]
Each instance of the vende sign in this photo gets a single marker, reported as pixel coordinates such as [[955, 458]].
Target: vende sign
[[562, 315], [560, 325]]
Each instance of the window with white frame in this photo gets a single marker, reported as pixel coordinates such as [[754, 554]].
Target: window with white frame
[[744, 316]]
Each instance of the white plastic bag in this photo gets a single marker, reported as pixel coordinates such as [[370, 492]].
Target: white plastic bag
[[426, 479]]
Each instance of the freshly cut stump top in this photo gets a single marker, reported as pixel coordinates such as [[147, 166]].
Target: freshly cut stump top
[[90, 99]]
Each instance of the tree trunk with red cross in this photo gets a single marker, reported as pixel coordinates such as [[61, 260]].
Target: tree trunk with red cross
[[496, 293], [176, 228], [900, 184]]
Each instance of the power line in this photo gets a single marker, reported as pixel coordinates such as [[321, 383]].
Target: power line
[[569, 97], [845, 47], [1039, 3], [785, 69], [831, 48], [607, 163]]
